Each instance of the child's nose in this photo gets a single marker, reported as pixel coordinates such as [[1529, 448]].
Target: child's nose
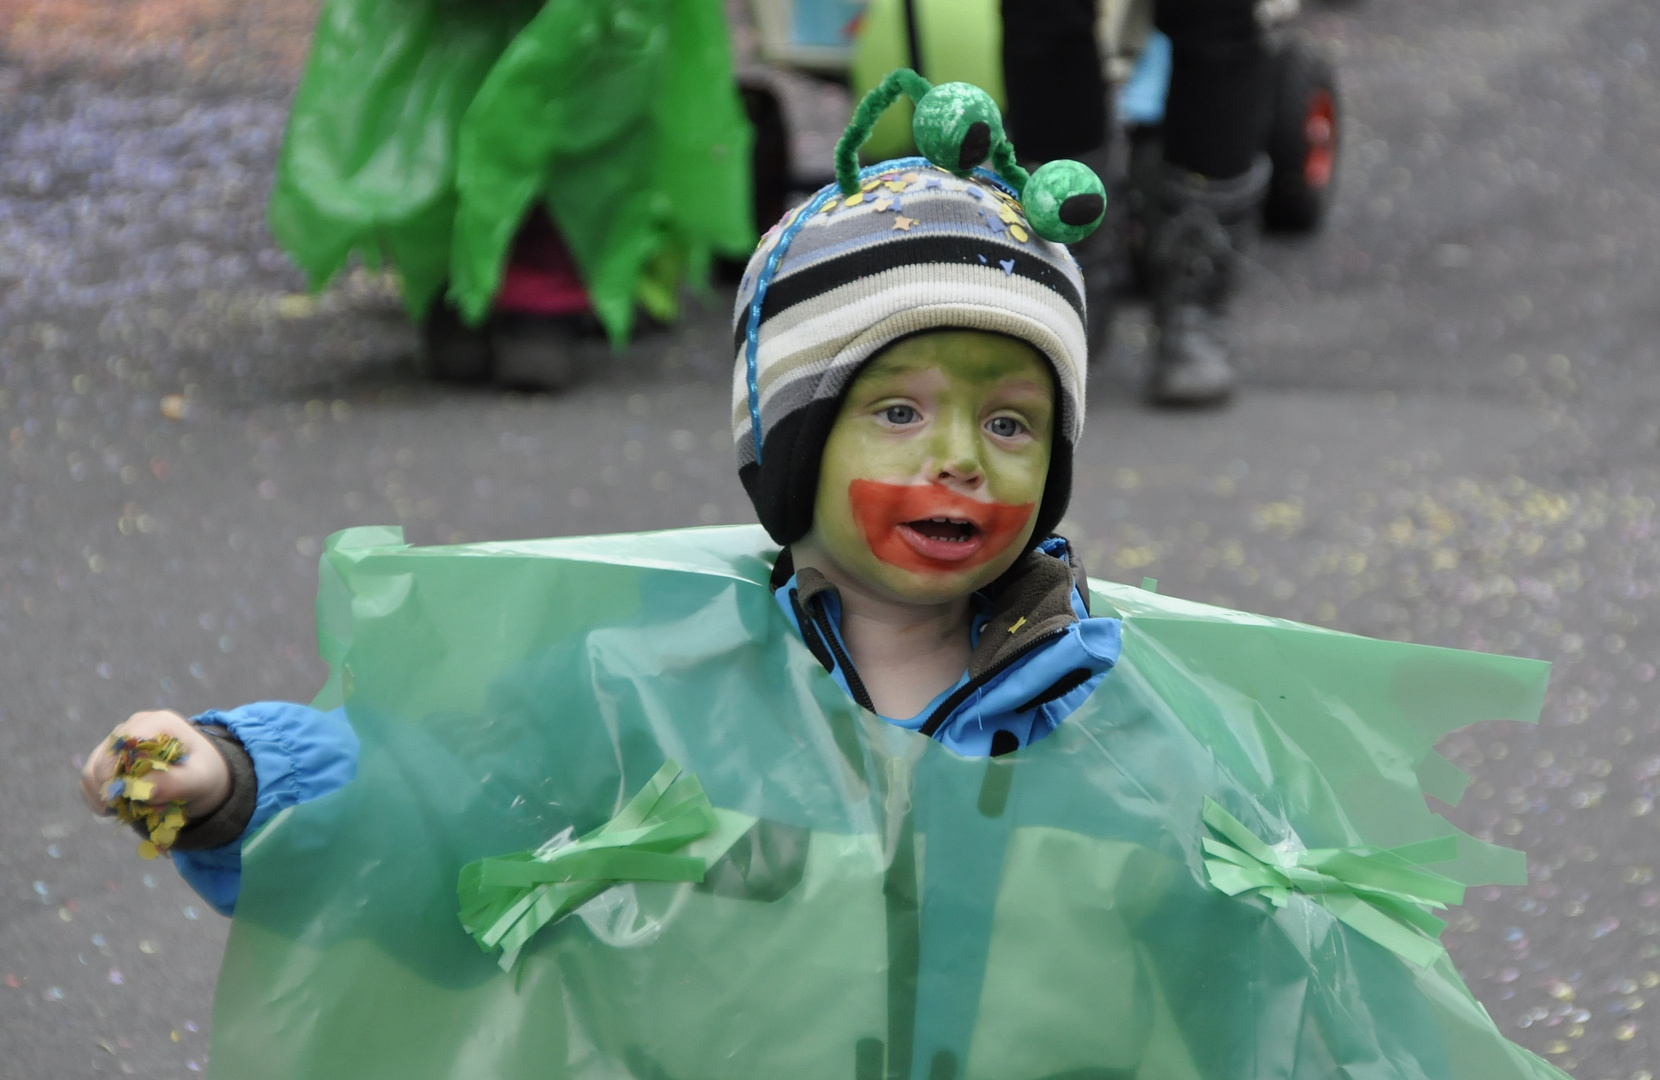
[[957, 453]]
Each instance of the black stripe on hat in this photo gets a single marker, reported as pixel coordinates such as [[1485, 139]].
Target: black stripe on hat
[[819, 278]]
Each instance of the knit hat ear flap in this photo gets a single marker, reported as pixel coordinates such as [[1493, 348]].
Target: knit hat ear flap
[[785, 492]]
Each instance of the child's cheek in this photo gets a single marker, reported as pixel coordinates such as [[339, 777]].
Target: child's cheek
[[894, 461], [1017, 477]]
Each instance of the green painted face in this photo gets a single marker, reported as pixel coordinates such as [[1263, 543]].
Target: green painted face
[[935, 468]]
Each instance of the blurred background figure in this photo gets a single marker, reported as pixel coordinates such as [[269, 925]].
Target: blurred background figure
[[534, 172]]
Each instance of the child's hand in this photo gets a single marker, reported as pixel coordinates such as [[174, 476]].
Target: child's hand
[[201, 780]]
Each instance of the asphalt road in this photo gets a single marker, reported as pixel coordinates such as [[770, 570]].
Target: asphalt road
[[1449, 435]]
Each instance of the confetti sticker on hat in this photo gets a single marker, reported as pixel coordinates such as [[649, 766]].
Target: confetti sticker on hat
[[871, 185], [903, 223], [884, 203], [1017, 232], [829, 206], [855, 200]]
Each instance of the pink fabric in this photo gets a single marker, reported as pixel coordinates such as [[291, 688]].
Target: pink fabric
[[540, 277]]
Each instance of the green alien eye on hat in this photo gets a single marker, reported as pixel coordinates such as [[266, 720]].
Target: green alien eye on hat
[[957, 126]]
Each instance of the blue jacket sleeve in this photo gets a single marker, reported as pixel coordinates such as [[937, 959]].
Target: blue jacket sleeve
[[298, 755]]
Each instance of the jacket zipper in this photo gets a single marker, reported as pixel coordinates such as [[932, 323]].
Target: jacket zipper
[[821, 621]]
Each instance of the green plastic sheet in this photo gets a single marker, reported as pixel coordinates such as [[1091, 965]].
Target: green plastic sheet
[[880, 909], [422, 132]]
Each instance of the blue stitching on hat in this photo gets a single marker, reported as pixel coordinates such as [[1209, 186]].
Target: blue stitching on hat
[[752, 330]]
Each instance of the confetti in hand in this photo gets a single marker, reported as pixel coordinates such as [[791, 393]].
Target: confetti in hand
[[130, 791]]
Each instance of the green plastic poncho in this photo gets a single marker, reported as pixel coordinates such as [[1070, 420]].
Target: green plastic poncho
[[891, 911], [423, 130]]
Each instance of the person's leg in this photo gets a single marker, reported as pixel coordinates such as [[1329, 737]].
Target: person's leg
[[543, 333], [1208, 195], [1214, 116], [1057, 96], [1057, 107]]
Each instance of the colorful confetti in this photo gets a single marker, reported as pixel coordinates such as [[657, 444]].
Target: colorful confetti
[[129, 792]]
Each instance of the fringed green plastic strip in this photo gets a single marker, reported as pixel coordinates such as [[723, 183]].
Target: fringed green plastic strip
[[1381, 894], [506, 899]]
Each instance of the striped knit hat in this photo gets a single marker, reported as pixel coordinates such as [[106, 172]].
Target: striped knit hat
[[842, 277]]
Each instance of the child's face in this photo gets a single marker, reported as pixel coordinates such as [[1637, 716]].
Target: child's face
[[934, 470]]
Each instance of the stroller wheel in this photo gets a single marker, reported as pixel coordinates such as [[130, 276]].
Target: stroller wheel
[[1303, 138]]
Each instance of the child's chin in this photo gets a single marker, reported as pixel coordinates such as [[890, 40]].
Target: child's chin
[[937, 586]]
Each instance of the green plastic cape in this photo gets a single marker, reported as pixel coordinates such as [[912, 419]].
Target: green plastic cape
[[891, 911], [423, 130]]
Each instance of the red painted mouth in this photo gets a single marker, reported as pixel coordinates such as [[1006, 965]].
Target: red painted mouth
[[928, 528]]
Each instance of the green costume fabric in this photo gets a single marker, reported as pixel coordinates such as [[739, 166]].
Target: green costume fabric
[[423, 130], [890, 910]]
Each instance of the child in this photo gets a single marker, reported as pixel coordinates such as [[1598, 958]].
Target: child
[[927, 393], [861, 893]]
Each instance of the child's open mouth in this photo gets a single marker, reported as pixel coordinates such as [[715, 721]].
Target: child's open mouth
[[947, 538], [930, 528]]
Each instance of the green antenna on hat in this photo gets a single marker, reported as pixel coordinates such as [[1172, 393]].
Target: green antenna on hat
[[958, 127]]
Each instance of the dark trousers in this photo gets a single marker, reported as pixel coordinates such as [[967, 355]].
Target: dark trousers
[[1218, 87]]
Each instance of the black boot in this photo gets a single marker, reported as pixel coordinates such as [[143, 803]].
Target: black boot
[[1200, 228], [451, 350], [548, 354]]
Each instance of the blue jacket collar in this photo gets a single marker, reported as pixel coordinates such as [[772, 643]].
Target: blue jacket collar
[[1037, 653]]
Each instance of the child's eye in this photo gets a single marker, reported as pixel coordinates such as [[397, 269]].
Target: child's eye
[[1005, 427], [900, 415]]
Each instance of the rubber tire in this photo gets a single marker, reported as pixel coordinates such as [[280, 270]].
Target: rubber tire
[[1305, 98], [452, 351]]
